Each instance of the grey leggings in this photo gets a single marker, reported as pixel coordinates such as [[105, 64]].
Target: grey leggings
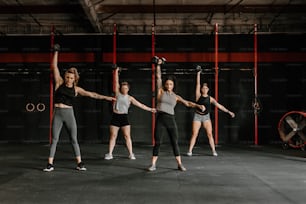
[[61, 116]]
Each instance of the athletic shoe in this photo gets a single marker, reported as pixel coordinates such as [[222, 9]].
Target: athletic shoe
[[49, 168], [81, 167], [189, 154], [132, 157], [181, 167], [108, 156], [152, 167], [215, 154]]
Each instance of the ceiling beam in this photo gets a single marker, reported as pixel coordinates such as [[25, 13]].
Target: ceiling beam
[[40, 9], [198, 8], [73, 8], [90, 11]]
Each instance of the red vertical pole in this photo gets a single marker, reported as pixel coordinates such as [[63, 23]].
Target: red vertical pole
[[255, 85], [216, 84], [51, 85], [153, 84], [114, 55]]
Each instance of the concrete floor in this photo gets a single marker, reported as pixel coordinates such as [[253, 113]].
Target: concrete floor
[[240, 174]]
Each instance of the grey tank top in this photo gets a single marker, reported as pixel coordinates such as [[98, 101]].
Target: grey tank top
[[167, 103], [122, 104]]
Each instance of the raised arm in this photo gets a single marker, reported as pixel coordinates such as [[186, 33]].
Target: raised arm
[[94, 95], [159, 78], [221, 107], [56, 74], [189, 103], [198, 86], [117, 85], [140, 105]]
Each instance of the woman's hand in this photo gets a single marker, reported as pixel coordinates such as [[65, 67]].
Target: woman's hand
[[202, 107], [231, 114], [153, 110], [109, 98]]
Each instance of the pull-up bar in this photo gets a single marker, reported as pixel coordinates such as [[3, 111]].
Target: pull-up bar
[[114, 56], [51, 85], [216, 84], [255, 87], [153, 82]]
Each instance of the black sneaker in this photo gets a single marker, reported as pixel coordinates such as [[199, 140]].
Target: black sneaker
[[49, 168], [81, 167]]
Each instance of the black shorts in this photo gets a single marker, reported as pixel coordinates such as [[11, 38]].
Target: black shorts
[[119, 120]]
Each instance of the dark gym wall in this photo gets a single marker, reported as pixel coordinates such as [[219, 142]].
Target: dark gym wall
[[24, 69]]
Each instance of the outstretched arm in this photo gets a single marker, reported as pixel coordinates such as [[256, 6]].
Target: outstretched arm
[[140, 105], [189, 103], [56, 74], [94, 95], [221, 107]]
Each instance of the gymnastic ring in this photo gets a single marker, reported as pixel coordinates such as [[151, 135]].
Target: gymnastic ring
[[30, 107], [40, 107]]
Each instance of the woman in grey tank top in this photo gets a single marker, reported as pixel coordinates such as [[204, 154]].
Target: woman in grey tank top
[[166, 101], [120, 117]]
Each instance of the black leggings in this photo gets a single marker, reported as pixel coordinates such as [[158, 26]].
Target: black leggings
[[164, 120]]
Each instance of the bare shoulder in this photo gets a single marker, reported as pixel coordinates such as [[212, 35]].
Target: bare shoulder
[[58, 84], [79, 90], [131, 98], [160, 91], [212, 100], [179, 98]]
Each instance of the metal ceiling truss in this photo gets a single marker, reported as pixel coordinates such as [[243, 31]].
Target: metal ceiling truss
[[94, 16]]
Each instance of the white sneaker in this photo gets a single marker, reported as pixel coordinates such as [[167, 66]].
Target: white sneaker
[[108, 156], [152, 168], [181, 167], [132, 157], [189, 154], [215, 154]]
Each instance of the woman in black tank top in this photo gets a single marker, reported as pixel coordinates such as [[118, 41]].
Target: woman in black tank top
[[65, 91], [202, 119]]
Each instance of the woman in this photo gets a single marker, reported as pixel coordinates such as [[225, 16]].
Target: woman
[[202, 118], [120, 116], [65, 91], [166, 101]]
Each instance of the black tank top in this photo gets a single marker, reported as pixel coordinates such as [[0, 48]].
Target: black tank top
[[206, 102], [64, 95]]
